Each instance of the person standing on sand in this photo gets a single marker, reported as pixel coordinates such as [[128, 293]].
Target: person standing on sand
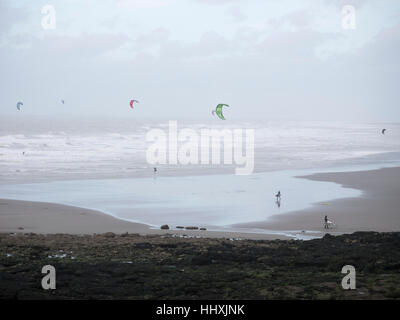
[[278, 199], [326, 226]]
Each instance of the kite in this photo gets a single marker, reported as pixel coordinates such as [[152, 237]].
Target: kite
[[131, 103], [218, 110], [19, 104]]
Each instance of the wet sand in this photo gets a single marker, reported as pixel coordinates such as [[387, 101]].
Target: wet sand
[[377, 209], [48, 218]]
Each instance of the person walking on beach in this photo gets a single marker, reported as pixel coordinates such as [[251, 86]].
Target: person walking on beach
[[278, 199], [326, 225]]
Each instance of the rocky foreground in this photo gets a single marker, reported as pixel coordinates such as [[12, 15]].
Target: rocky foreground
[[130, 266]]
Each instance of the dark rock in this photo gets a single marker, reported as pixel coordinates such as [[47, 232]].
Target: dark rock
[[143, 245], [201, 260], [165, 227], [160, 267], [109, 235]]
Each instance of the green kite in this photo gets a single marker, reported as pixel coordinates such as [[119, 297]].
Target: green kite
[[218, 110]]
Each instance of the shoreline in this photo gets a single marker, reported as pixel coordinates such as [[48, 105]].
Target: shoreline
[[374, 210], [374, 160], [18, 216]]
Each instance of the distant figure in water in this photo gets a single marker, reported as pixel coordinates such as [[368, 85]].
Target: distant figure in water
[[155, 169], [326, 225]]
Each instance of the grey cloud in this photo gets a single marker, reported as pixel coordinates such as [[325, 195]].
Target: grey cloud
[[9, 17], [156, 36], [218, 2], [300, 18], [237, 14], [85, 45], [340, 3], [297, 45], [210, 43]]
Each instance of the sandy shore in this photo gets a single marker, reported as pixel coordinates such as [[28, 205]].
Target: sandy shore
[[378, 209], [48, 218]]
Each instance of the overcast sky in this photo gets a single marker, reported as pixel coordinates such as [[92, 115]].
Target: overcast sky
[[287, 59]]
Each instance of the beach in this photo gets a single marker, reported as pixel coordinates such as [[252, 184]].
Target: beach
[[375, 210], [56, 178], [99, 224], [49, 218]]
